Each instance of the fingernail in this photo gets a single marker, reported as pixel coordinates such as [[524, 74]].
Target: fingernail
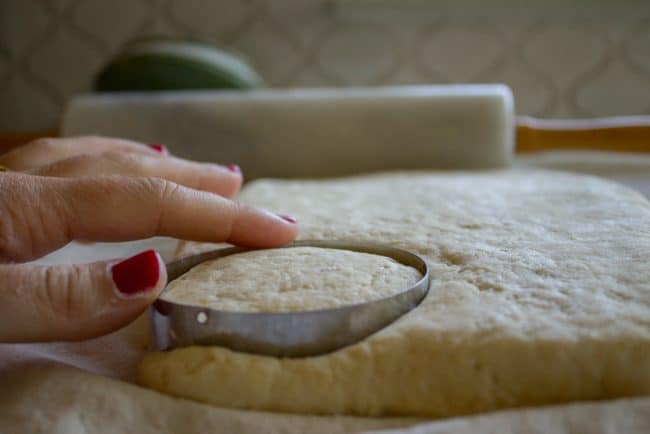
[[233, 168], [159, 148], [288, 218], [137, 274]]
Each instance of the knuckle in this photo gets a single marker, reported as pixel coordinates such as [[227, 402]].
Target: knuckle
[[81, 160], [171, 191], [127, 159], [126, 163], [45, 144], [61, 296], [210, 178], [66, 167], [163, 189], [237, 208], [46, 141], [89, 188], [165, 194], [17, 218], [153, 186]]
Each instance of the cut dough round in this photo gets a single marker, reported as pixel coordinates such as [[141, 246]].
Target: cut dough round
[[291, 279]]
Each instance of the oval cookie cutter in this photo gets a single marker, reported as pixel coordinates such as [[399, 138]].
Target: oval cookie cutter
[[283, 334]]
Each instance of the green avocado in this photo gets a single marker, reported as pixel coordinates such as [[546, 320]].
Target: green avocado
[[153, 65]]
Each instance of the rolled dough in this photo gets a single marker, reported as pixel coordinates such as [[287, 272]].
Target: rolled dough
[[291, 279], [540, 295]]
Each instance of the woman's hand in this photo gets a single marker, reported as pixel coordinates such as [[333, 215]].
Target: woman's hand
[[107, 190]]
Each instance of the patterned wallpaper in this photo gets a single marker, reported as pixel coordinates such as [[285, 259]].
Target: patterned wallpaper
[[592, 60]]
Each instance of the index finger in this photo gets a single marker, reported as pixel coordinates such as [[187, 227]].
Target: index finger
[[123, 208]]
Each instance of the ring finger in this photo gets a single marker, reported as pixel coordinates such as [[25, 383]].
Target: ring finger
[[49, 150]]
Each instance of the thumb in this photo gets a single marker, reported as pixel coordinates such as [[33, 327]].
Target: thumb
[[46, 303]]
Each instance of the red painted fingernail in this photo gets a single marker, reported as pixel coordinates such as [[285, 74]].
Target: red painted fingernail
[[159, 148], [288, 218], [137, 274], [233, 168]]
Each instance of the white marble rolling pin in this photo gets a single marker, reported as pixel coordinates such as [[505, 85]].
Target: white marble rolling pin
[[314, 133]]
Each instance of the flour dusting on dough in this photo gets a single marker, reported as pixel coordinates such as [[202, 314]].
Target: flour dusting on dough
[[291, 279]]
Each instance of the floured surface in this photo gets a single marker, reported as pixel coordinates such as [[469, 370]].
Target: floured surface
[[291, 279], [55, 399], [540, 294], [614, 417]]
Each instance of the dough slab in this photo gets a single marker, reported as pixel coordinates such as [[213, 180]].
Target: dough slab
[[540, 295]]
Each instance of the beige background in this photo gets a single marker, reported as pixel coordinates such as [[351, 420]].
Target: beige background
[[580, 61]]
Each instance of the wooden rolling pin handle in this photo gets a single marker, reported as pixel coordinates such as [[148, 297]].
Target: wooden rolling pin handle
[[618, 134]]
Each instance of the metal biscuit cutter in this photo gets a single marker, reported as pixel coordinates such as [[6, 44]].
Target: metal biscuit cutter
[[284, 334]]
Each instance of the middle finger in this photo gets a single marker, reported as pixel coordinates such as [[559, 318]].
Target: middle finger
[[224, 180]]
